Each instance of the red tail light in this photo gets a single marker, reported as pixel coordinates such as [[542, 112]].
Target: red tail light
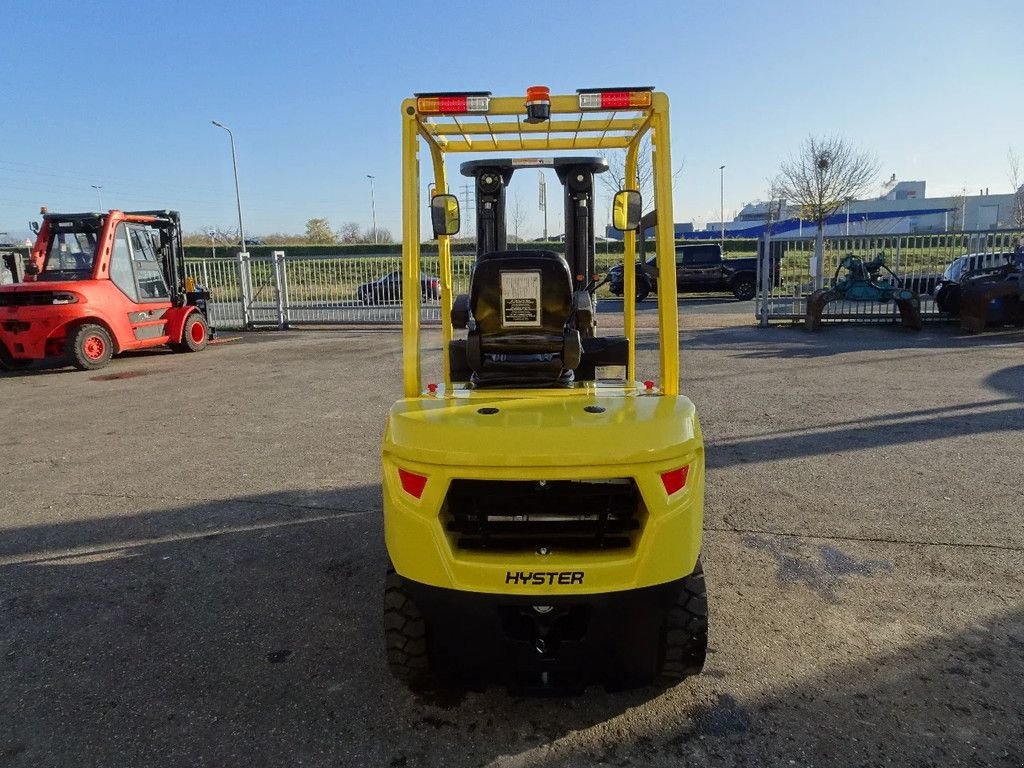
[[675, 479], [453, 103], [592, 98], [412, 483]]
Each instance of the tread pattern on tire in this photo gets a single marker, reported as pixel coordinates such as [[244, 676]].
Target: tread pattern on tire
[[685, 638], [186, 344], [405, 634], [76, 355], [744, 281]]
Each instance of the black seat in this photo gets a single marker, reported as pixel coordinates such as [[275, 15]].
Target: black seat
[[520, 313]]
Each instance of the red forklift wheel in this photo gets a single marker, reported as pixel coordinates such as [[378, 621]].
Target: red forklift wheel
[[195, 335], [91, 347]]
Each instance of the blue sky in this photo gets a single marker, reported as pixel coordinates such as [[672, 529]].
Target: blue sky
[[121, 95]]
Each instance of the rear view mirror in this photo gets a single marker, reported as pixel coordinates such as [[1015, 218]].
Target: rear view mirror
[[34, 226], [626, 209], [444, 214]]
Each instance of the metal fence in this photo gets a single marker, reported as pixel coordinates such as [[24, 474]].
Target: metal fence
[[281, 291], [919, 260]]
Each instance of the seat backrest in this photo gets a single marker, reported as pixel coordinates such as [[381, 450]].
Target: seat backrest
[[521, 292]]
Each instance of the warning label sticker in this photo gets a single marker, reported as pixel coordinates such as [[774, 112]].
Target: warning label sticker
[[520, 299]]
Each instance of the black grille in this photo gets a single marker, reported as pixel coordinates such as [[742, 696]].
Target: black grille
[[25, 298], [557, 514]]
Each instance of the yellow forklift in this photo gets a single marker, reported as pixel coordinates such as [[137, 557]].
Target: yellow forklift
[[543, 510]]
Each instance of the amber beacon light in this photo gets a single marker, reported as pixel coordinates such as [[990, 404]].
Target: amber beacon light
[[538, 104]]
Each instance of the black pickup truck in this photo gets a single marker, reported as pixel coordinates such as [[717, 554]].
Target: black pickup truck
[[700, 268]]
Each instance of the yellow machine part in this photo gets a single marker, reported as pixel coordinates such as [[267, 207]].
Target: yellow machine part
[[541, 434], [637, 436]]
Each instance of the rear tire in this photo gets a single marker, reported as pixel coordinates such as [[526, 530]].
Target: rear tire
[[195, 336], [744, 288], [91, 347], [405, 635], [684, 636]]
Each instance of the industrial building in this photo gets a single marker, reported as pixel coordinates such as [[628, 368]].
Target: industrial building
[[903, 208]]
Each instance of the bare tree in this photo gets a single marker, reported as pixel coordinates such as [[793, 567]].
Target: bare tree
[[199, 237], [614, 178], [517, 215], [349, 233], [955, 216], [1013, 161], [221, 236], [824, 173]]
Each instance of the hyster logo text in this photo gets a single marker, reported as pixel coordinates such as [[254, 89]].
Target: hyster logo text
[[539, 578]]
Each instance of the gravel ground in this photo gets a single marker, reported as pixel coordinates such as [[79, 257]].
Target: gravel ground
[[191, 563]]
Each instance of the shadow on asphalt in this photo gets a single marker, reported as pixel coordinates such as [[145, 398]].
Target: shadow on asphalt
[[248, 632], [792, 342], [898, 428], [50, 366], [242, 632], [952, 700], [1003, 414], [1009, 381]]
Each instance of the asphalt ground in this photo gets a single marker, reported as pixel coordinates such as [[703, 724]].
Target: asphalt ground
[[191, 563]]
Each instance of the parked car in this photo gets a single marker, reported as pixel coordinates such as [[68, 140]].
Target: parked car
[[947, 291], [389, 288], [699, 268]]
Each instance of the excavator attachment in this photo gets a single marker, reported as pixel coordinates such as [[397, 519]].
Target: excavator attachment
[[863, 282]]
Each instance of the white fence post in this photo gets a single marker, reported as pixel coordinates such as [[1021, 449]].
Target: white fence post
[[245, 287], [766, 276], [279, 290]]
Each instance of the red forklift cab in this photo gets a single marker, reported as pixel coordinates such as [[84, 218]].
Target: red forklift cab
[[98, 284]]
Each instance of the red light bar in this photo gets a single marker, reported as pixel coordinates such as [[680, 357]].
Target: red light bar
[[412, 483], [675, 479], [452, 103], [614, 99]]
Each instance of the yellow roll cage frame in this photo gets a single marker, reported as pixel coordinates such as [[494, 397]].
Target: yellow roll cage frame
[[502, 128]]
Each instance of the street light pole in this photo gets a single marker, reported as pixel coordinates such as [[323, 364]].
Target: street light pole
[[721, 193], [373, 209], [99, 197], [238, 197]]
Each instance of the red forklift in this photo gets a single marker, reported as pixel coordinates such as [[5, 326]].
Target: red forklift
[[98, 284]]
